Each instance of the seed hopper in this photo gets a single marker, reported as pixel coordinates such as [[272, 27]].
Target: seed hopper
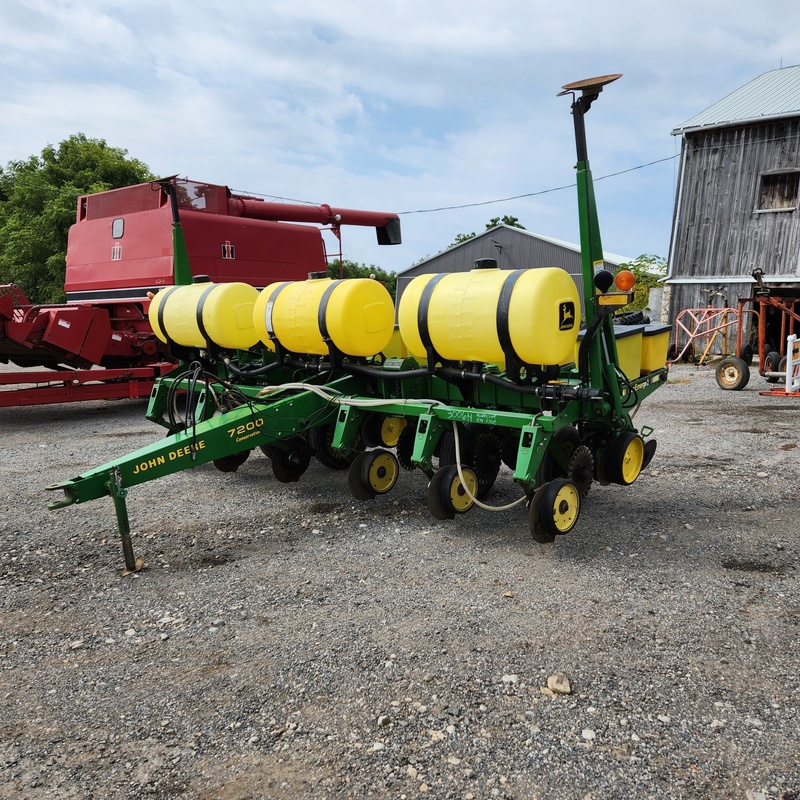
[[488, 367]]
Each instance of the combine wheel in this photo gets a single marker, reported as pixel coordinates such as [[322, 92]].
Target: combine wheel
[[289, 465], [446, 494], [581, 469], [320, 439], [771, 364], [559, 506], [232, 462], [732, 373], [623, 458], [372, 473], [537, 530]]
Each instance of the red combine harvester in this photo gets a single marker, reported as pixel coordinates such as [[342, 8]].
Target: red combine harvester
[[132, 241]]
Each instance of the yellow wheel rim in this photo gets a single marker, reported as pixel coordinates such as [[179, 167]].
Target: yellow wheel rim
[[566, 507], [382, 472], [391, 427], [460, 500], [633, 459]]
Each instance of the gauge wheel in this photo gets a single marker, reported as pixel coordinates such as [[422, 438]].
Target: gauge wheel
[[289, 465], [732, 373], [560, 506], [568, 439], [232, 462], [373, 472], [371, 429], [771, 364], [446, 493], [535, 526], [581, 469], [354, 482], [623, 458], [320, 440]]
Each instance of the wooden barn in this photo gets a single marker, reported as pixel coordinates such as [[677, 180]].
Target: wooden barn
[[736, 208], [512, 248]]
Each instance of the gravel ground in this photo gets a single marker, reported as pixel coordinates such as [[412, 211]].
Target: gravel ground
[[285, 641]]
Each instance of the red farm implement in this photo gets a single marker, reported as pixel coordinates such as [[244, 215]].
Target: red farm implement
[[129, 243]]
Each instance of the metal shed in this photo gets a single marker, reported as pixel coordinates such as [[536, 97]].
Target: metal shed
[[736, 208], [512, 248]]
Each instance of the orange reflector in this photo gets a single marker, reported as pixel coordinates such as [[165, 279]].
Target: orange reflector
[[625, 280]]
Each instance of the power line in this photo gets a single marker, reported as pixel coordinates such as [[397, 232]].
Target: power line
[[536, 194]]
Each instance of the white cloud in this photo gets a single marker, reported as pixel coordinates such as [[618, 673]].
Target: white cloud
[[392, 105]]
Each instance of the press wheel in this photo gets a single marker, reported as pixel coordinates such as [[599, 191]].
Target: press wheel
[[560, 506], [372, 473], [624, 458], [446, 494], [535, 526]]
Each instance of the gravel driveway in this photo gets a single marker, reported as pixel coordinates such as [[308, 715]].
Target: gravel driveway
[[286, 641]]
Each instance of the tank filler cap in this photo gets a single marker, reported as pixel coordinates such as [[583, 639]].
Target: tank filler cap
[[485, 263], [201, 279], [315, 276]]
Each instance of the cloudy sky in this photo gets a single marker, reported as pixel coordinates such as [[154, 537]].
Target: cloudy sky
[[393, 106]]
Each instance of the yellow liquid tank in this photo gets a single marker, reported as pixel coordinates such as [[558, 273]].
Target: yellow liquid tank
[[478, 315], [357, 314], [225, 318]]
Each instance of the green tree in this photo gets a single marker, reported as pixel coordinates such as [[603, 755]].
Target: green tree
[[350, 269], [649, 271], [38, 203], [492, 223]]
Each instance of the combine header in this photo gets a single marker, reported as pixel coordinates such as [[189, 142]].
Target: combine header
[[491, 367], [128, 244]]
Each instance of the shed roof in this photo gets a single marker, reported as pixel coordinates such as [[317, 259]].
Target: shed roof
[[773, 95], [613, 258]]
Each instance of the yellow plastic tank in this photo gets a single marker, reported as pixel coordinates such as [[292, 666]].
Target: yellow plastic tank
[[476, 315], [226, 315], [357, 314]]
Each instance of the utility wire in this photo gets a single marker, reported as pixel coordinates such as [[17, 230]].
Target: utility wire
[[536, 194]]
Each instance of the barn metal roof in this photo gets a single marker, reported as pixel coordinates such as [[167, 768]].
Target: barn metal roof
[[773, 95]]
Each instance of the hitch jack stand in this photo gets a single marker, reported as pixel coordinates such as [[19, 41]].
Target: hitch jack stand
[[118, 494]]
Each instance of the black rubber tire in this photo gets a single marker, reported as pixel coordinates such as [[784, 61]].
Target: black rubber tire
[[560, 506], [746, 353], [434, 497], [623, 458], [732, 374], [538, 532], [354, 482], [772, 361]]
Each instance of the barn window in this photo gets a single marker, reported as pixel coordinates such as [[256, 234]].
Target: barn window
[[778, 191]]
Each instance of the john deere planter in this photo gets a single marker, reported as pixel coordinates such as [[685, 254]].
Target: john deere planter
[[491, 366]]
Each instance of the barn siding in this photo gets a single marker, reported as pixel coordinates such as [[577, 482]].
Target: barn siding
[[719, 232]]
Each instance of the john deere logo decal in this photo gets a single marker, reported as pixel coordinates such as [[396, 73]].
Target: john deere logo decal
[[566, 316]]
